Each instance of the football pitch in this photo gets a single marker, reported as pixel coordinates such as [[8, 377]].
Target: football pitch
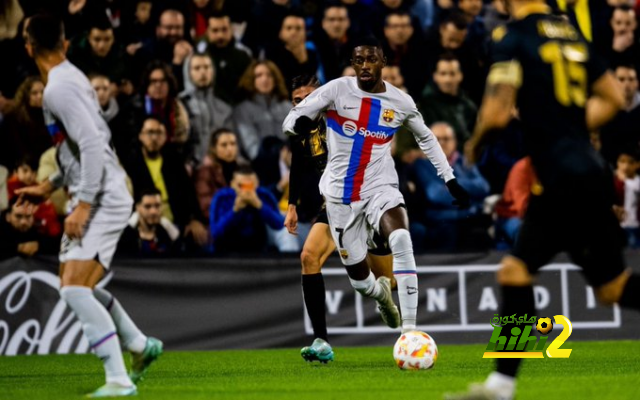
[[595, 370]]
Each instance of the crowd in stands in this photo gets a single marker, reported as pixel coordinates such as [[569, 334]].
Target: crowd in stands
[[195, 92]]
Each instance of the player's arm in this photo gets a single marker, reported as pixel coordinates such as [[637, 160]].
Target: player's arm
[[301, 118], [498, 103], [295, 182], [605, 102], [430, 146], [65, 101]]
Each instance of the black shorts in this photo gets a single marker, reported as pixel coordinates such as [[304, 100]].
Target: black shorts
[[382, 247], [587, 230]]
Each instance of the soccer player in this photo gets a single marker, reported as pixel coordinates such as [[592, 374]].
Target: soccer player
[[101, 208], [309, 159], [543, 66], [360, 182]]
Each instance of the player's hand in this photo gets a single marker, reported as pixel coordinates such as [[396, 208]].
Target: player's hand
[[303, 126], [291, 220], [461, 196], [198, 232], [35, 194], [181, 50], [28, 248], [76, 221]]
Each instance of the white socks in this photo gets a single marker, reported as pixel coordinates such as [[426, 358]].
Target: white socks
[[132, 339], [99, 329], [368, 287], [404, 270]]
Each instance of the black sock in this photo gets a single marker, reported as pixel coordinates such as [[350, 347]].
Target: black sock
[[515, 300], [314, 298], [631, 293]]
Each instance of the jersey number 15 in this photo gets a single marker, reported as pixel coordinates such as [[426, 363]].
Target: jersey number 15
[[569, 74]]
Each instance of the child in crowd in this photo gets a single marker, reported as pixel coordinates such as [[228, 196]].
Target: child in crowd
[[45, 218], [627, 185]]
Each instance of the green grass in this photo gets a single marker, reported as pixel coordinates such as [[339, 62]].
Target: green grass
[[595, 370]]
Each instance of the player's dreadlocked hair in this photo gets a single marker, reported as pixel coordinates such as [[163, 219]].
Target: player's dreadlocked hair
[[304, 80]]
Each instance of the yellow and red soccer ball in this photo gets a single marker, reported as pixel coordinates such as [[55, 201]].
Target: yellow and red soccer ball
[[415, 350]]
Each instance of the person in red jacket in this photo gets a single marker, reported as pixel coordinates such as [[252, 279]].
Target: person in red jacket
[[46, 221], [515, 198]]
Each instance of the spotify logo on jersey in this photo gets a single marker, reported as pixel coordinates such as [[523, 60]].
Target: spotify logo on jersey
[[349, 128]]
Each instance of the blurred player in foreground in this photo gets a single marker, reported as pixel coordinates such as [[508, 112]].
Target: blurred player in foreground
[[101, 208], [309, 159], [360, 184], [543, 66]]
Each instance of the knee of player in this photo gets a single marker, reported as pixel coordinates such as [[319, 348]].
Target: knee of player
[[513, 272], [400, 241], [310, 261], [610, 292]]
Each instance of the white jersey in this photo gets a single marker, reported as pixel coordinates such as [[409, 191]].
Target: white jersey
[[88, 164], [360, 127]]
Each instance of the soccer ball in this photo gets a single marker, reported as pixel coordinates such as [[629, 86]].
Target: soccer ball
[[415, 350]]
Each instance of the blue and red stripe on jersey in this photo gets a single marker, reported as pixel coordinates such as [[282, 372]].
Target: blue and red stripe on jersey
[[58, 135], [369, 119]]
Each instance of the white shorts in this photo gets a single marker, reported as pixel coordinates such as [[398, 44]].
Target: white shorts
[[353, 225], [100, 239]]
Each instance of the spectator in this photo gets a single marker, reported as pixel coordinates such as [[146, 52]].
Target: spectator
[[108, 104], [48, 165], [292, 53], [218, 168], [45, 217], [155, 164], [495, 15], [264, 23], [265, 106], [444, 100], [623, 129], [240, 215], [96, 52], [23, 129], [511, 208], [625, 44], [169, 44], [393, 75], [449, 227], [627, 185], [333, 41], [360, 15], [451, 37], [19, 236], [230, 58], [207, 113], [139, 28], [382, 9], [148, 232], [403, 46], [500, 156], [471, 10], [158, 98]]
